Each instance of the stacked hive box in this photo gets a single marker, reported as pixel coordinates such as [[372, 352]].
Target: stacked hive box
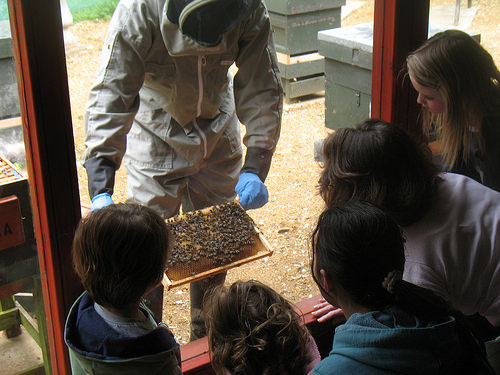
[[18, 252], [348, 72], [296, 24], [19, 270]]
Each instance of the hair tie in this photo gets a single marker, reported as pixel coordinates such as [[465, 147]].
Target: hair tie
[[391, 280]]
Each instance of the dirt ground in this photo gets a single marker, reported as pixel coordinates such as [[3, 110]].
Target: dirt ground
[[289, 217]]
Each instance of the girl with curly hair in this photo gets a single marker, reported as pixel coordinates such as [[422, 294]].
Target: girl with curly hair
[[253, 330]]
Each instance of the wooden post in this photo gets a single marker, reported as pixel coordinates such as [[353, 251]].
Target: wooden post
[[46, 118], [67, 18], [399, 28], [456, 19]]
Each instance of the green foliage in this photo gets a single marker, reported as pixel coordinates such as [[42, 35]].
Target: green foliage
[[102, 9], [81, 10], [4, 12]]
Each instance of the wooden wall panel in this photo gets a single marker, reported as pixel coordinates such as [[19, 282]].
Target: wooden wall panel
[[39, 56], [399, 28]]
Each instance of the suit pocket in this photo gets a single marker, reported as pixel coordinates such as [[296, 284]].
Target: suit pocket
[[217, 69], [146, 150]]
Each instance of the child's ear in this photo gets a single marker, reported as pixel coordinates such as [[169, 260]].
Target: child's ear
[[326, 282], [331, 289]]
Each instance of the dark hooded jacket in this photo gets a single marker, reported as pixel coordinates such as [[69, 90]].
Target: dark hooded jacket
[[95, 348], [392, 341]]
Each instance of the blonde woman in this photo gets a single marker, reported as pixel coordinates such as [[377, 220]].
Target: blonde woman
[[458, 87]]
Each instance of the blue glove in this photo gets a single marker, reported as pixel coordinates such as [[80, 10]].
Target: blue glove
[[252, 191], [100, 201]]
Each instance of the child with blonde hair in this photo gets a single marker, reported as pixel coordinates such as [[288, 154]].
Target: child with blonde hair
[[459, 89]]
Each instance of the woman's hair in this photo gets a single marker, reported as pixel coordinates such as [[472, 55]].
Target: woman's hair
[[359, 245], [380, 163], [465, 75], [119, 251], [253, 330]]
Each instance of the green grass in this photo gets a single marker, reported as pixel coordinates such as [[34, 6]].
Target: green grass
[[81, 10]]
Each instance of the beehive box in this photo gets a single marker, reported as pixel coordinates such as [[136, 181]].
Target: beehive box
[[296, 22], [18, 256], [302, 74], [211, 241], [348, 68], [8, 172]]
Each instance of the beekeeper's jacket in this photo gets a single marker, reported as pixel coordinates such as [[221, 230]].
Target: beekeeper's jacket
[[148, 63]]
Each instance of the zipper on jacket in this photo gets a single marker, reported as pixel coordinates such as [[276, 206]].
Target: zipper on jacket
[[201, 63], [203, 138]]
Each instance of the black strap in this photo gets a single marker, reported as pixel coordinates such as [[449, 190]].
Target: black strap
[[258, 161]]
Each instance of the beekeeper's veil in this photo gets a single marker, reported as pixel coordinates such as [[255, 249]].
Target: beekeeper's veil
[[206, 21]]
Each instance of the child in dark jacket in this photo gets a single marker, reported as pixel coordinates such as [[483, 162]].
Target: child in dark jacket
[[120, 254], [392, 327]]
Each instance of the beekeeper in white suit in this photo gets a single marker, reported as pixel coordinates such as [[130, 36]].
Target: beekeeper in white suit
[[165, 100]]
